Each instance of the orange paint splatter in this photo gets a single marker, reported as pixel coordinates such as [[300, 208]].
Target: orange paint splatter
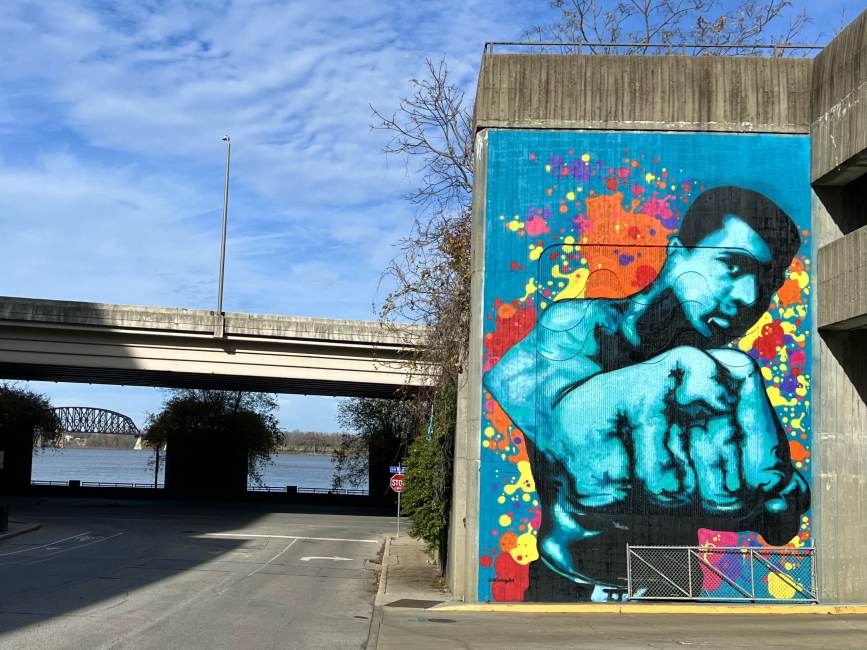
[[499, 420], [790, 292], [798, 450], [633, 250], [508, 541]]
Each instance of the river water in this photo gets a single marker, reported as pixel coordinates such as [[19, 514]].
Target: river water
[[130, 466]]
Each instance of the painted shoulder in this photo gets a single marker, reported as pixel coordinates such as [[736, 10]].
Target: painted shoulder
[[571, 314], [738, 363]]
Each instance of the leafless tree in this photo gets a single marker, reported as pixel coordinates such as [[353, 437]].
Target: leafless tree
[[431, 130], [656, 26]]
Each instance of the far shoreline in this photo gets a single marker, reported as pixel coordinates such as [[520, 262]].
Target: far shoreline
[[281, 452]]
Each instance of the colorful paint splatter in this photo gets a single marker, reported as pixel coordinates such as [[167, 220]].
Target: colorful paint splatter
[[647, 347]]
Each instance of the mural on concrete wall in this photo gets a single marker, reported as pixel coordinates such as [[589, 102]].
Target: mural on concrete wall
[[646, 354]]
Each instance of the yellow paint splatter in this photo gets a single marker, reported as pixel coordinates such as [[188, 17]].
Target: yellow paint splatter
[[568, 240], [586, 157], [529, 289], [570, 196], [577, 282], [525, 480], [649, 177], [780, 586], [777, 399], [515, 225], [803, 386], [536, 252], [801, 277], [767, 375], [489, 432], [791, 329], [505, 520], [748, 340], [525, 550]]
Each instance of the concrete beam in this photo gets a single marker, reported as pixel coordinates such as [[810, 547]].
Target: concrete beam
[[838, 103], [842, 282], [152, 346], [670, 93]]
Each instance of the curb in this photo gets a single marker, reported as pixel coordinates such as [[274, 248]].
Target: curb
[[28, 528], [600, 608], [376, 616]]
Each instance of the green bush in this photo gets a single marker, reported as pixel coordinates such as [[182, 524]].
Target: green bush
[[426, 499]]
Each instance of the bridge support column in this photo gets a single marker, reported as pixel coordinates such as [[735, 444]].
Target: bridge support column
[[16, 450], [204, 466]]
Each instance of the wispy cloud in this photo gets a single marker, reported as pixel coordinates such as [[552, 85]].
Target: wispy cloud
[[112, 165]]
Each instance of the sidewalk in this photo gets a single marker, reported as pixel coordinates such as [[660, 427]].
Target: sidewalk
[[18, 528], [410, 580], [413, 610]]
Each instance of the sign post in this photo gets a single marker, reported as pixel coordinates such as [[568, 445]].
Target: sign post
[[396, 483]]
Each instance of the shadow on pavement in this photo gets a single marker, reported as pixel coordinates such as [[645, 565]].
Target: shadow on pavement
[[94, 554]]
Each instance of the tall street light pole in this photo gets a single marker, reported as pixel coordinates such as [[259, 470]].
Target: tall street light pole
[[225, 223]]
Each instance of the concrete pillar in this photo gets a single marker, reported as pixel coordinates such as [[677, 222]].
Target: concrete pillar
[[16, 447], [203, 466]]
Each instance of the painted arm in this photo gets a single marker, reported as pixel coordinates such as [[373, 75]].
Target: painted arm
[[538, 370]]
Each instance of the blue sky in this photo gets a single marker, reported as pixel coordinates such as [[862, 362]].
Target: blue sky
[[111, 164]]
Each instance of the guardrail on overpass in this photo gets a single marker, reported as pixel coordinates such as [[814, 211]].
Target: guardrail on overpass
[[178, 348]]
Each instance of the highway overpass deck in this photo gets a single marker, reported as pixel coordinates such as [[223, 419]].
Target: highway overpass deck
[[54, 340]]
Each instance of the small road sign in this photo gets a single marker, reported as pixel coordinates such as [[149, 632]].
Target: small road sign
[[396, 469], [397, 482]]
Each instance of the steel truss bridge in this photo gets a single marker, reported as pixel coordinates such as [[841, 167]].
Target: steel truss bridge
[[85, 419]]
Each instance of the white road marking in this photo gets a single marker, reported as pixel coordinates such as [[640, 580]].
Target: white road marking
[[334, 558], [72, 548], [315, 539], [35, 548], [288, 546], [259, 568]]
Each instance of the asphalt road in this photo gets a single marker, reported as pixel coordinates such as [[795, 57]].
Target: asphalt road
[[145, 575]]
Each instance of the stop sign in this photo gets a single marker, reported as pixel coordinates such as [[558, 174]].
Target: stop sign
[[396, 483]]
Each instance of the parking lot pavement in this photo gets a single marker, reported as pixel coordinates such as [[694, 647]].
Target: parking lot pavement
[[146, 575]]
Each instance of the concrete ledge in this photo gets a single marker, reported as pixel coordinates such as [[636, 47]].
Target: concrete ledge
[[842, 282], [19, 528], [654, 608], [839, 107], [714, 93]]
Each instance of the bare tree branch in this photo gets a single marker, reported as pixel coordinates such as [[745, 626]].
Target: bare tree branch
[[654, 25]]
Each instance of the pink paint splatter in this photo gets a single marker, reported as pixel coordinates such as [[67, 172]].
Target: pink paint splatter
[[658, 208], [536, 226]]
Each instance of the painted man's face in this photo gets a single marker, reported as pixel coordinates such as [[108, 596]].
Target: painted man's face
[[717, 282]]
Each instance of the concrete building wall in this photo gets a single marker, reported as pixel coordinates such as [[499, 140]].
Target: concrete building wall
[[838, 99], [549, 92], [839, 137], [826, 97]]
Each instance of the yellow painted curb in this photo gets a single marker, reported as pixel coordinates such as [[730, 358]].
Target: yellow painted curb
[[644, 608]]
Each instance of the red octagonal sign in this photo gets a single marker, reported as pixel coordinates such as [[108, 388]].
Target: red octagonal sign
[[397, 482]]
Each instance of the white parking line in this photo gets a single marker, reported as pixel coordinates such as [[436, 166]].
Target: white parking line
[[36, 548], [315, 539]]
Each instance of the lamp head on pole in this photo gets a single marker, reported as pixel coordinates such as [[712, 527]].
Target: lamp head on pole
[[226, 138]]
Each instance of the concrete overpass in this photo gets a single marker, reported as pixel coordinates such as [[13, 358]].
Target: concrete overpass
[[53, 340]]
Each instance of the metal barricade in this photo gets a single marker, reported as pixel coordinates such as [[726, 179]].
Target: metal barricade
[[721, 573]]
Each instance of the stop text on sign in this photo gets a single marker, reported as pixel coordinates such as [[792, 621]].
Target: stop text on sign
[[397, 482]]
